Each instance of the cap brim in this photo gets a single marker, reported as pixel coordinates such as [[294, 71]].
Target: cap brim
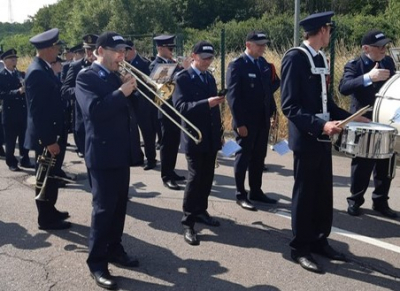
[[206, 55], [59, 42], [120, 46], [382, 42], [88, 46], [260, 41]]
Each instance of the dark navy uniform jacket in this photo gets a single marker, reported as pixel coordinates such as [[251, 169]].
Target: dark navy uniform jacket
[[352, 82], [64, 71], [190, 98], [14, 103], [45, 108], [248, 100], [112, 137], [301, 100], [68, 89]]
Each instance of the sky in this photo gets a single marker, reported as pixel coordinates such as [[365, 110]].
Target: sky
[[21, 9]]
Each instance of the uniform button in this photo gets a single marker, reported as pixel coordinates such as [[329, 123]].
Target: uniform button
[[103, 142], [55, 123]]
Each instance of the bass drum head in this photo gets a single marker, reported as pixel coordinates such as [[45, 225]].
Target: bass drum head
[[387, 102]]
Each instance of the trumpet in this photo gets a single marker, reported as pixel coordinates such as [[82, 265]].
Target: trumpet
[[162, 93], [46, 162]]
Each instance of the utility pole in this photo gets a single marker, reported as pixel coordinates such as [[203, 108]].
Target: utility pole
[[10, 16], [296, 35]]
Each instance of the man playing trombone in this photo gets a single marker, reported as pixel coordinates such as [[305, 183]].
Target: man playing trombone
[[112, 146]]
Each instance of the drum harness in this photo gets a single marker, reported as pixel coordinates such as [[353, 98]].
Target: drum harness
[[322, 71]]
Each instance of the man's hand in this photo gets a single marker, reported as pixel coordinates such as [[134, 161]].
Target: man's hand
[[331, 128], [54, 149], [21, 90], [216, 100], [128, 86], [377, 74], [242, 131]]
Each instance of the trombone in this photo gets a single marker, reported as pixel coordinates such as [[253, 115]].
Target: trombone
[[163, 92]]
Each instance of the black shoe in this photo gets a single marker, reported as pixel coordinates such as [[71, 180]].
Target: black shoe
[[189, 235], [266, 169], [14, 168], [61, 184], [2, 152], [207, 219], [171, 184], [124, 261], [353, 210], [55, 225], [62, 215], [385, 211], [150, 165], [246, 204], [27, 165], [178, 178], [262, 198], [79, 154], [307, 262], [104, 280], [330, 253]]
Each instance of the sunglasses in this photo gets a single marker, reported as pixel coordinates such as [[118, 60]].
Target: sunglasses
[[170, 48]]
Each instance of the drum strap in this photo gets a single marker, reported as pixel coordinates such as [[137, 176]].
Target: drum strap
[[318, 71]]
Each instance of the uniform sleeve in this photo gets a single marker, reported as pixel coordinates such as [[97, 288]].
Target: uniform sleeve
[[233, 96], [351, 80], [68, 88]]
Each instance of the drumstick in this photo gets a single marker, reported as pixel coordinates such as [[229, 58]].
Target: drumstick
[[354, 116]]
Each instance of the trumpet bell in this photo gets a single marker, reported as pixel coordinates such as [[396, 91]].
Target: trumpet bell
[[165, 91]]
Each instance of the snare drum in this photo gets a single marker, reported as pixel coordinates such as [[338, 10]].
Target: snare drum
[[387, 102], [368, 140]]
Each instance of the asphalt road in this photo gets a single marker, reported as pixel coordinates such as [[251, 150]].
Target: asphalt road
[[249, 251]]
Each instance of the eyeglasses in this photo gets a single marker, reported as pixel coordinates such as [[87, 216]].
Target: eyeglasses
[[208, 59], [170, 48]]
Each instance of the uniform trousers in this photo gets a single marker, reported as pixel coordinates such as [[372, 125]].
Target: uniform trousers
[[361, 170], [110, 195], [148, 123], [11, 133], [170, 139], [312, 199], [201, 167], [251, 157]]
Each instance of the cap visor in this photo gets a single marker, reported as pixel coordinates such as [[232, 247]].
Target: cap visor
[[261, 41], [206, 55], [121, 46], [88, 46], [382, 42]]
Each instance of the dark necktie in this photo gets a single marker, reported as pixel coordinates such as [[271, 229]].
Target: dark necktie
[[257, 63], [204, 77]]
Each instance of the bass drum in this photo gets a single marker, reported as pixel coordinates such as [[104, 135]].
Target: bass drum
[[387, 105]]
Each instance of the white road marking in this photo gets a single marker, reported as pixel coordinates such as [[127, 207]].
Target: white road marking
[[355, 236]]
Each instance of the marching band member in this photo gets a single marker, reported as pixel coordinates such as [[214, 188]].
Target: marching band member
[[146, 112], [46, 120], [195, 97], [312, 119], [111, 146], [68, 90], [170, 136], [250, 98], [12, 93], [362, 79]]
